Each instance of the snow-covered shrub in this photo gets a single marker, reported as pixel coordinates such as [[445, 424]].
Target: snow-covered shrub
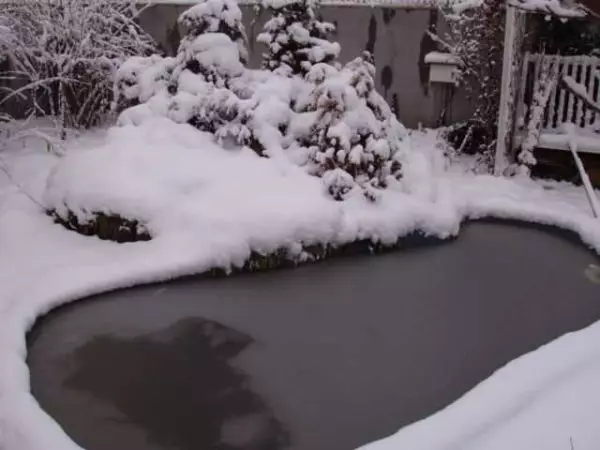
[[208, 86], [353, 137], [66, 54], [296, 38], [215, 16], [326, 117], [214, 44], [476, 36], [214, 57], [141, 77]]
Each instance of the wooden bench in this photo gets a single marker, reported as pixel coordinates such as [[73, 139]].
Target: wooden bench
[[563, 107]]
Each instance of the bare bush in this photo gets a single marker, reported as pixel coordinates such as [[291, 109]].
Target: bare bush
[[64, 54]]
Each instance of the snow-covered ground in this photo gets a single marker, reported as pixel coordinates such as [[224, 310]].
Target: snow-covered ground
[[210, 207]]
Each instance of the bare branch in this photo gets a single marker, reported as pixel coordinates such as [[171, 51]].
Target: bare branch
[[579, 91], [68, 53]]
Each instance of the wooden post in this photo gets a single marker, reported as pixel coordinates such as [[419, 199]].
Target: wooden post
[[504, 113]]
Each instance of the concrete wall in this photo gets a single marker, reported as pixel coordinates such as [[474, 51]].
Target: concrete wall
[[396, 37]]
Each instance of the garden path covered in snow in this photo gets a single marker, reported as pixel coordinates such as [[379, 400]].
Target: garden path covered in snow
[[211, 208]]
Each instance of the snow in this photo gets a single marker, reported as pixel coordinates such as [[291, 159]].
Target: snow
[[561, 8], [212, 12], [215, 49], [540, 401], [296, 39], [208, 201], [578, 88], [180, 181], [586, 139], [215, 16], [209, 207], [441, 58], [387, 3], [139, 78]]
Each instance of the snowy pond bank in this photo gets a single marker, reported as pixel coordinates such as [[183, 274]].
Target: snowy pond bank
[[211, 208], [328, 356]]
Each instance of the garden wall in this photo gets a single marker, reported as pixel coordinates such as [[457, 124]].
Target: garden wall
[[396, 36]]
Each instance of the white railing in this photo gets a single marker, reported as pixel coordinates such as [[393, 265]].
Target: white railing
[[563, 107]]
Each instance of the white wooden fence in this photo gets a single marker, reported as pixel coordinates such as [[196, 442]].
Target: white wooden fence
[[583, 130], [563, 107]]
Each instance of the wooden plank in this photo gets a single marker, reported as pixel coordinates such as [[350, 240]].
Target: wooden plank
[[550, 113], [583, 67], [539, 61], [504, 119], [521, 107], [583, 147], [590, 83], [570, 103], [560, 110], [596, 87]]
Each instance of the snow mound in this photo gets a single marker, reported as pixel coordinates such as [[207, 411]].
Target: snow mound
[[164, 174]]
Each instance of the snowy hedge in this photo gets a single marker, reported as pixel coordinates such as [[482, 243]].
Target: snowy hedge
[[307, 106]]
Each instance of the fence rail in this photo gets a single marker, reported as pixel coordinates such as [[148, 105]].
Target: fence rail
[[563, 107]]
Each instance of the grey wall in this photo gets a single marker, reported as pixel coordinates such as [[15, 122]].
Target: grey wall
[[396, 37]]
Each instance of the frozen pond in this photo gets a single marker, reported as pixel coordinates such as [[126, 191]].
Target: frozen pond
[[324, 357]]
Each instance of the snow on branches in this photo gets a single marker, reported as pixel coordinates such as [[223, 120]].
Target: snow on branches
[[215, 16], [539, 102], [354, 139], [325, 117], [65, 54], [141, 77], [206, 85], [296, 38]]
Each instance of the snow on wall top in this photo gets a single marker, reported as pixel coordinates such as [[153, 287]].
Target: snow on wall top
[[387, 3], [441, 58], [567, 8]]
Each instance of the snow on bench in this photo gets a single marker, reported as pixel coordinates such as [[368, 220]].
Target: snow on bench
[[566, 118]]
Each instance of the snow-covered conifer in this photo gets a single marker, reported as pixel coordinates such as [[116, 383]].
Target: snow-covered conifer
[[214, 44], [215, 16], [354, 139], [296, 38]]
